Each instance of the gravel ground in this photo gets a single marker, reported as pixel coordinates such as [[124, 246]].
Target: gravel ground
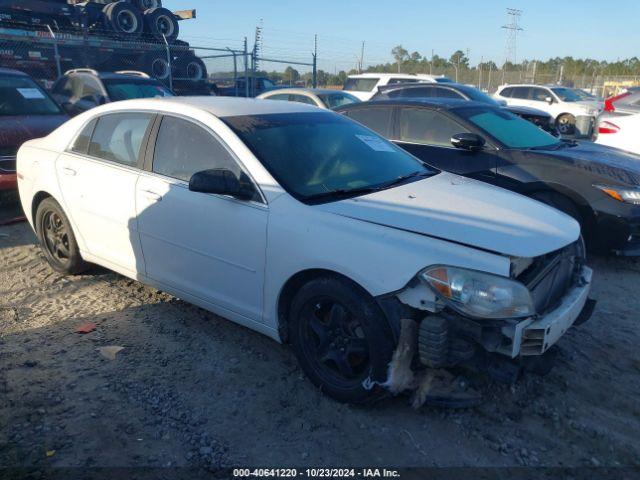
[[192, 389]]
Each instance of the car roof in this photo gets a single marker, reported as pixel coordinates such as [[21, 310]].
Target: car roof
[[436, 103], [110, 75], [388, 75], [409, 86], [11, 71], [218, 106], [294, 90]]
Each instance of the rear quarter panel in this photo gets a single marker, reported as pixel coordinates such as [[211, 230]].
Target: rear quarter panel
[[36, 167]]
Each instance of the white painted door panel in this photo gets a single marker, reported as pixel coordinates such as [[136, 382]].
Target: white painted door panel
[[100, 197], [210, 246]]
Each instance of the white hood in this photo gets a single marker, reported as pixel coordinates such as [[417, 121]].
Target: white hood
[[466, 211]]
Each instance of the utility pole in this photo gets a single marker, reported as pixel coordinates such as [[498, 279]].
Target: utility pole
[[361, 59], [511, 46], [431, 63], [480, 73]]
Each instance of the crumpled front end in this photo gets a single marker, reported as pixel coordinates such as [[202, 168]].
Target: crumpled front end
[[434, 337]]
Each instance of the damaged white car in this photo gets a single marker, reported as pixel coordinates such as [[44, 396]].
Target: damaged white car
[[299, 223]]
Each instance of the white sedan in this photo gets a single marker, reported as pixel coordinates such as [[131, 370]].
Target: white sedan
[[322, 98], [619, 131], [306, 226]]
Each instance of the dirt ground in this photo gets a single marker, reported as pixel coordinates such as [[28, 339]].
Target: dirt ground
[[193, 389]]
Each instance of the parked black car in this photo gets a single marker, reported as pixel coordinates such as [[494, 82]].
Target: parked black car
[[81, 89], [464, 92], [597, 185]]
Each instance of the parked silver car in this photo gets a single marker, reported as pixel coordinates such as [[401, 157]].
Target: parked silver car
[[323, 98]]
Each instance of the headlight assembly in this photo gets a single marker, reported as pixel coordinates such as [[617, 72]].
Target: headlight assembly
[[621, 194], [479, 294]]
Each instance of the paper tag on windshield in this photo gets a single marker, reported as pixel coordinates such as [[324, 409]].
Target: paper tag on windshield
[[376, 143], [30, 93]]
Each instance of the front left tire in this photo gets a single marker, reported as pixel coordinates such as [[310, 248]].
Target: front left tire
[[56, 238], [342, 339]]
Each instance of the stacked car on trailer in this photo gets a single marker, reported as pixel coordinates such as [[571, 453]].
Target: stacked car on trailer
[[47, 37]]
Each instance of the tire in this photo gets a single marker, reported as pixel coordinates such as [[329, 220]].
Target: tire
[[566, 124], [123, 19], [156, 65], [341, 338], [56, 238], [159, 22], [192, 68], [148, 4]]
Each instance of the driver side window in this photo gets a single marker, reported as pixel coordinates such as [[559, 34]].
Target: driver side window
[[428, 127], [184, 148]]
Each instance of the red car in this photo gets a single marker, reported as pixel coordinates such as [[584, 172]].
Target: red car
[[26, 112]]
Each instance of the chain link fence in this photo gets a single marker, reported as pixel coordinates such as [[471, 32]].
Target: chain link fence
[[46, 54]]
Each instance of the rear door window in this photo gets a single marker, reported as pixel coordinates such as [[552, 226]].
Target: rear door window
[[118, 137], [521, 93], [81, 145], [377, 119], [449, 93], [302, 99], [360, 84], [428, 127], [423, 92]]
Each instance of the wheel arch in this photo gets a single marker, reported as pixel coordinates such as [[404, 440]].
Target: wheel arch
[[35, 203], [587, 213], [293, 285]]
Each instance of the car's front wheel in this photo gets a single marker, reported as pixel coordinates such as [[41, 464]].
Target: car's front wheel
[[566, 124], [341, 338], [56, 238]]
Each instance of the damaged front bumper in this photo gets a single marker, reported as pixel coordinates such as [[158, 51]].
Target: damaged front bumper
[[445, 339], [534, 336]]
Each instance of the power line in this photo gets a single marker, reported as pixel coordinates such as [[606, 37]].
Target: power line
[[511, 46]]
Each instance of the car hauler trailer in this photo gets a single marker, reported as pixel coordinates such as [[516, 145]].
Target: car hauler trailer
[[46, 38]]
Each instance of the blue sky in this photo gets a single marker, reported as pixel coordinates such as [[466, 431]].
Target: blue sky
[[587, 28]]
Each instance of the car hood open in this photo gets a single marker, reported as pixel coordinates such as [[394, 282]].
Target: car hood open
[[465, 211]]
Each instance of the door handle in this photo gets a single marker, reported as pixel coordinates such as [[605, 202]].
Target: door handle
[[153, 196], [69, 171]]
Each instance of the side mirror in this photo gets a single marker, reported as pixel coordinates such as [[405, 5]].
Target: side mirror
[[468, 141], [549, 100], [220, 181]]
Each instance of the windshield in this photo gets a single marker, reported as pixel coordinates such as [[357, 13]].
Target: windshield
[[511, 130], [566, 94], [130, 89], [335, 100], [478, 96], [22, 96], [319, 154], [584, 95]]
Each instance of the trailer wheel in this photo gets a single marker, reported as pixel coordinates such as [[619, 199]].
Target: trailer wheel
[[161, 23], [121, 18], [156, 65], [147, 4], [190, 67]]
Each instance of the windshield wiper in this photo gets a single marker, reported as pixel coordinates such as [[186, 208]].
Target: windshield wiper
[[403, 178], [355, 192]]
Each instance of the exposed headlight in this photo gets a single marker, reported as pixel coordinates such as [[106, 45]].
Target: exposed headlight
[[479, 294], [622, 194]]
